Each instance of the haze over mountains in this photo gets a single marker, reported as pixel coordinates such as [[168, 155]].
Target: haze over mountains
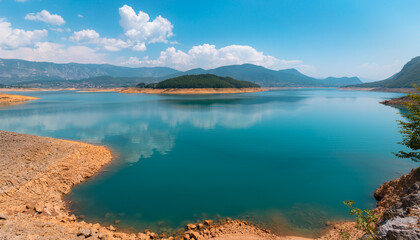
[[43, 74], [409, 75]]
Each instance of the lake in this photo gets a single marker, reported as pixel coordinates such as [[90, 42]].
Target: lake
[[284, 159]]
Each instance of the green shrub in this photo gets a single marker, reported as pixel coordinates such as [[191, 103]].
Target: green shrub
[[365, 219]]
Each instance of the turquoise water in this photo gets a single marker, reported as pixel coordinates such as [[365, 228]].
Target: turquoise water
[[285, 159]]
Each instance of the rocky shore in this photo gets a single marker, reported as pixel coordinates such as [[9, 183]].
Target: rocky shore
[[399, 205], [10, 99], [398, 101]]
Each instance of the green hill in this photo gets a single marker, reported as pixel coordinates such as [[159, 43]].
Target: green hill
[[338, 82], [410, 74], [200, 81]]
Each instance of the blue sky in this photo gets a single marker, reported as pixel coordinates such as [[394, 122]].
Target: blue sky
[[370, 39]]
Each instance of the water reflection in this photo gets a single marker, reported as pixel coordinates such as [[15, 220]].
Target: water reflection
[[280, 156]]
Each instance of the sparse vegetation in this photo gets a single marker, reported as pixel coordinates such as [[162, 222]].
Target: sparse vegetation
[[410, 129], [365, 221]]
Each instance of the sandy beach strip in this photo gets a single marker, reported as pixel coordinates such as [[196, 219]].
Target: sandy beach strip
[[11, 99]]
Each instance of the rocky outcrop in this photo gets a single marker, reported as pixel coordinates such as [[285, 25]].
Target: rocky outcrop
[[398, 101], [393, 191], [399, 203]]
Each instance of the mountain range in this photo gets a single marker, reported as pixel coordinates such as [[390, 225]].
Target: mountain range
[[269, 78], [22, 73], [18, 71]]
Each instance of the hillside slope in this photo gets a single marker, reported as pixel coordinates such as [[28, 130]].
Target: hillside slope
[[409, 75]]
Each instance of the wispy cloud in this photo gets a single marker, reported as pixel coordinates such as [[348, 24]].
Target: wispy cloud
[[47, 17]]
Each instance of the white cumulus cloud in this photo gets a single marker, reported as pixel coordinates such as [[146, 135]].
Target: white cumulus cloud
[[208, 56], [47, 17], [138, 31], [11, 38], [138, 27], [89, 36]]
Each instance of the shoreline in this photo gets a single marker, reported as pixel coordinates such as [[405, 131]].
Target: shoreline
[[11, 99], [376, 89], [134, 90], [30, 203], [38, 172], [191, 90]]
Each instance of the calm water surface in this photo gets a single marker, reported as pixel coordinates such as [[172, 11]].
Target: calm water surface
[[284, 158]]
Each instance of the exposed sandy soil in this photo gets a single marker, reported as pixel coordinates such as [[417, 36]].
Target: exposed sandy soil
[[11, 99], [191, 90], [34, 89]]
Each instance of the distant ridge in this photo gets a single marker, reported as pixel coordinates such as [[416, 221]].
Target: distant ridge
[[409, 75], [14, 72], [342, 81], [269, 78]]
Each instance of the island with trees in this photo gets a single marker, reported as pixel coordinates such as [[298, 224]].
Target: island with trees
[[196, 84]]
